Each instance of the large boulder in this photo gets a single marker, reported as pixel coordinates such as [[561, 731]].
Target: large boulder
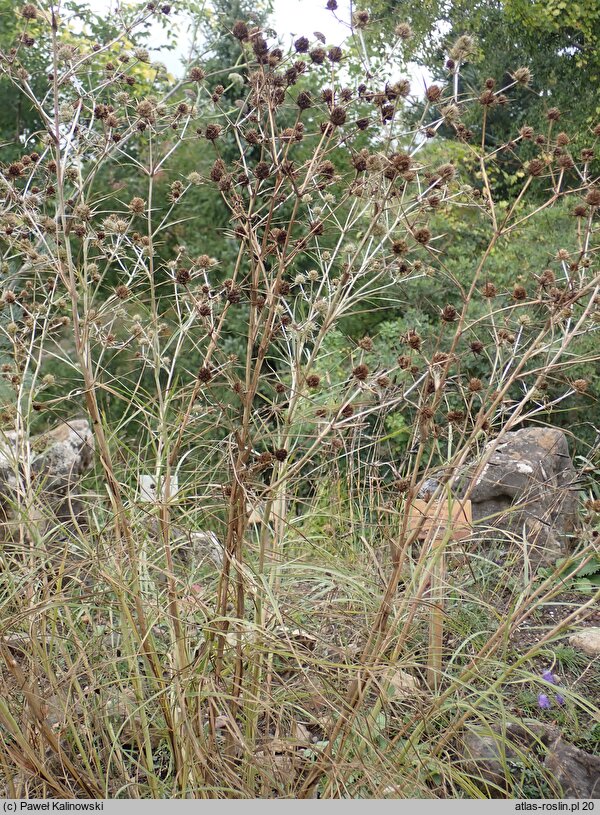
[[526, 487], [496, 758], [577, 772], [41, 475]]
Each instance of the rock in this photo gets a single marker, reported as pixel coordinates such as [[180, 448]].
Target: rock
[[191, 549], [492, 755], [488, 753], [587, 641], [56, 460], [203, 546], [577, 772], [427, 488], [527, 488], [485, 755]]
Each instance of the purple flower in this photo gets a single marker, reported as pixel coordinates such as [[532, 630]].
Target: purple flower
[[548, 676], [560, 700], [544, 702]]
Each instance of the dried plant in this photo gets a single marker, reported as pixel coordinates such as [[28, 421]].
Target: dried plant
[[216, 374]]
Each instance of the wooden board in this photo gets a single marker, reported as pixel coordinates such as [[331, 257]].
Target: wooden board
[[433, 519]]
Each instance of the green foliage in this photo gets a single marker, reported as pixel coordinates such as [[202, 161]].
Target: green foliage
[[577, 575]]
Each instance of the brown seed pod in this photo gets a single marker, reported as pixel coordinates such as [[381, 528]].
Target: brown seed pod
[[449, 314], [262, 171], [196, 74], [433, 93], [535, 167], [212, 132], [422, 235], [593, 197], [414, 340], [240, 31], [304, 100], [580, 385], [337, 116]]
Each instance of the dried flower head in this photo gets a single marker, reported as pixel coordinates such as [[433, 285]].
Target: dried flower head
[[403, 31], [205, 374], [262, 170], [137, 205], [361, 372], [304, 100], [463, 48], [580, 385], [433, 93], [337, 116], [593, 197], [196, 74], [360, 19], [413, 339], [146, 110], [535, 167], [213, 131], [240, 31], [422, 235], [29, 11], [522, 76], [487, 98], [449, 314]]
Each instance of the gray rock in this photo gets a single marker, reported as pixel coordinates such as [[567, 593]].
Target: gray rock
[[491, 755], [55, 462], [577, 772], [427, 488], [528, 489], [201, 546], [191, 549], [587, 641]]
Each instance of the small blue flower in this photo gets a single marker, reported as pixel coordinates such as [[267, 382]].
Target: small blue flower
[[548, 676], [560, 700], [544, 702]]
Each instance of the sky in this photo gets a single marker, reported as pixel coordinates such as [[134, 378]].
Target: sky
[[290, 18]]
